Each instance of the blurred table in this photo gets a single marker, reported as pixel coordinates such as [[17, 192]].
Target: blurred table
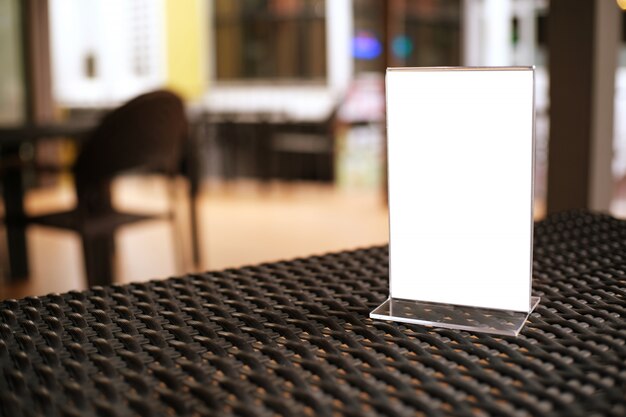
[[16, 135], [294, 338], [276, 132], [12, 138]]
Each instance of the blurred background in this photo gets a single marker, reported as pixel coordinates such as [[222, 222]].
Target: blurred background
[[285, 107]]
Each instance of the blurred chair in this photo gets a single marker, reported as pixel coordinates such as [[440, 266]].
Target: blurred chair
[[304, 150], [147, 134]]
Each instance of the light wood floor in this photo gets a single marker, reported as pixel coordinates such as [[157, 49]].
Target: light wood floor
[[240, 223]]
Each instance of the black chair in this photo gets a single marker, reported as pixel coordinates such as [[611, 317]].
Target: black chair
[[146, 134]]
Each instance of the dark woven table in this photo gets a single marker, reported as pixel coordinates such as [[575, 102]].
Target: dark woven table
[[294, 338]]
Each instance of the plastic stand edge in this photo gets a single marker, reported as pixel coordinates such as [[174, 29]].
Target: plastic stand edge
[[468, 318]]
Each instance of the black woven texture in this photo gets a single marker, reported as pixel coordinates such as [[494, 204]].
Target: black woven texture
[[294, 338]]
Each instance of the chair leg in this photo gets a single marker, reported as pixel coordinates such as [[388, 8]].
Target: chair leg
[[195, 232], [13, 195], [194, 177], [180, 257], [98, 254]]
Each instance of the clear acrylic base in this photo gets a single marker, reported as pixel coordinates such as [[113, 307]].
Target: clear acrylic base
[[474, 319]]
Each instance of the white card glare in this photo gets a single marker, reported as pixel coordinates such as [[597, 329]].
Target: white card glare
[[460, 149]]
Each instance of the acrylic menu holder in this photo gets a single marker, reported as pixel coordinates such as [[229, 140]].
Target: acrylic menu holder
[[460, 164]]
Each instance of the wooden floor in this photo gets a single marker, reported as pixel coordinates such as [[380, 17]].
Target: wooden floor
[[241, 223]]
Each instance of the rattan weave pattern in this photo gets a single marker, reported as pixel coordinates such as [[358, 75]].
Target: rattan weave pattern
[[294, 338]]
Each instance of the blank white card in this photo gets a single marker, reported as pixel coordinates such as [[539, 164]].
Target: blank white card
[[460, 155]]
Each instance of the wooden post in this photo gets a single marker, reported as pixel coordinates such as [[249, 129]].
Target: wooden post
[[583, 37], [38, 71]]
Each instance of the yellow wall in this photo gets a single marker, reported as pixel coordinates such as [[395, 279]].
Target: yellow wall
[[186, 39]]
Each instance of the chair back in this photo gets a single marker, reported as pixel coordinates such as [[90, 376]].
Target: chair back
[[146, 133]]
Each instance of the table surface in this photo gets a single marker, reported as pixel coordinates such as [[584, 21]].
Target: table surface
[[294, 338], [12, 135]]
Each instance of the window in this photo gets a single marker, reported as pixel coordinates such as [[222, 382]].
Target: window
[[270, 40], [431, 33], [104, 52], [421, 33]]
